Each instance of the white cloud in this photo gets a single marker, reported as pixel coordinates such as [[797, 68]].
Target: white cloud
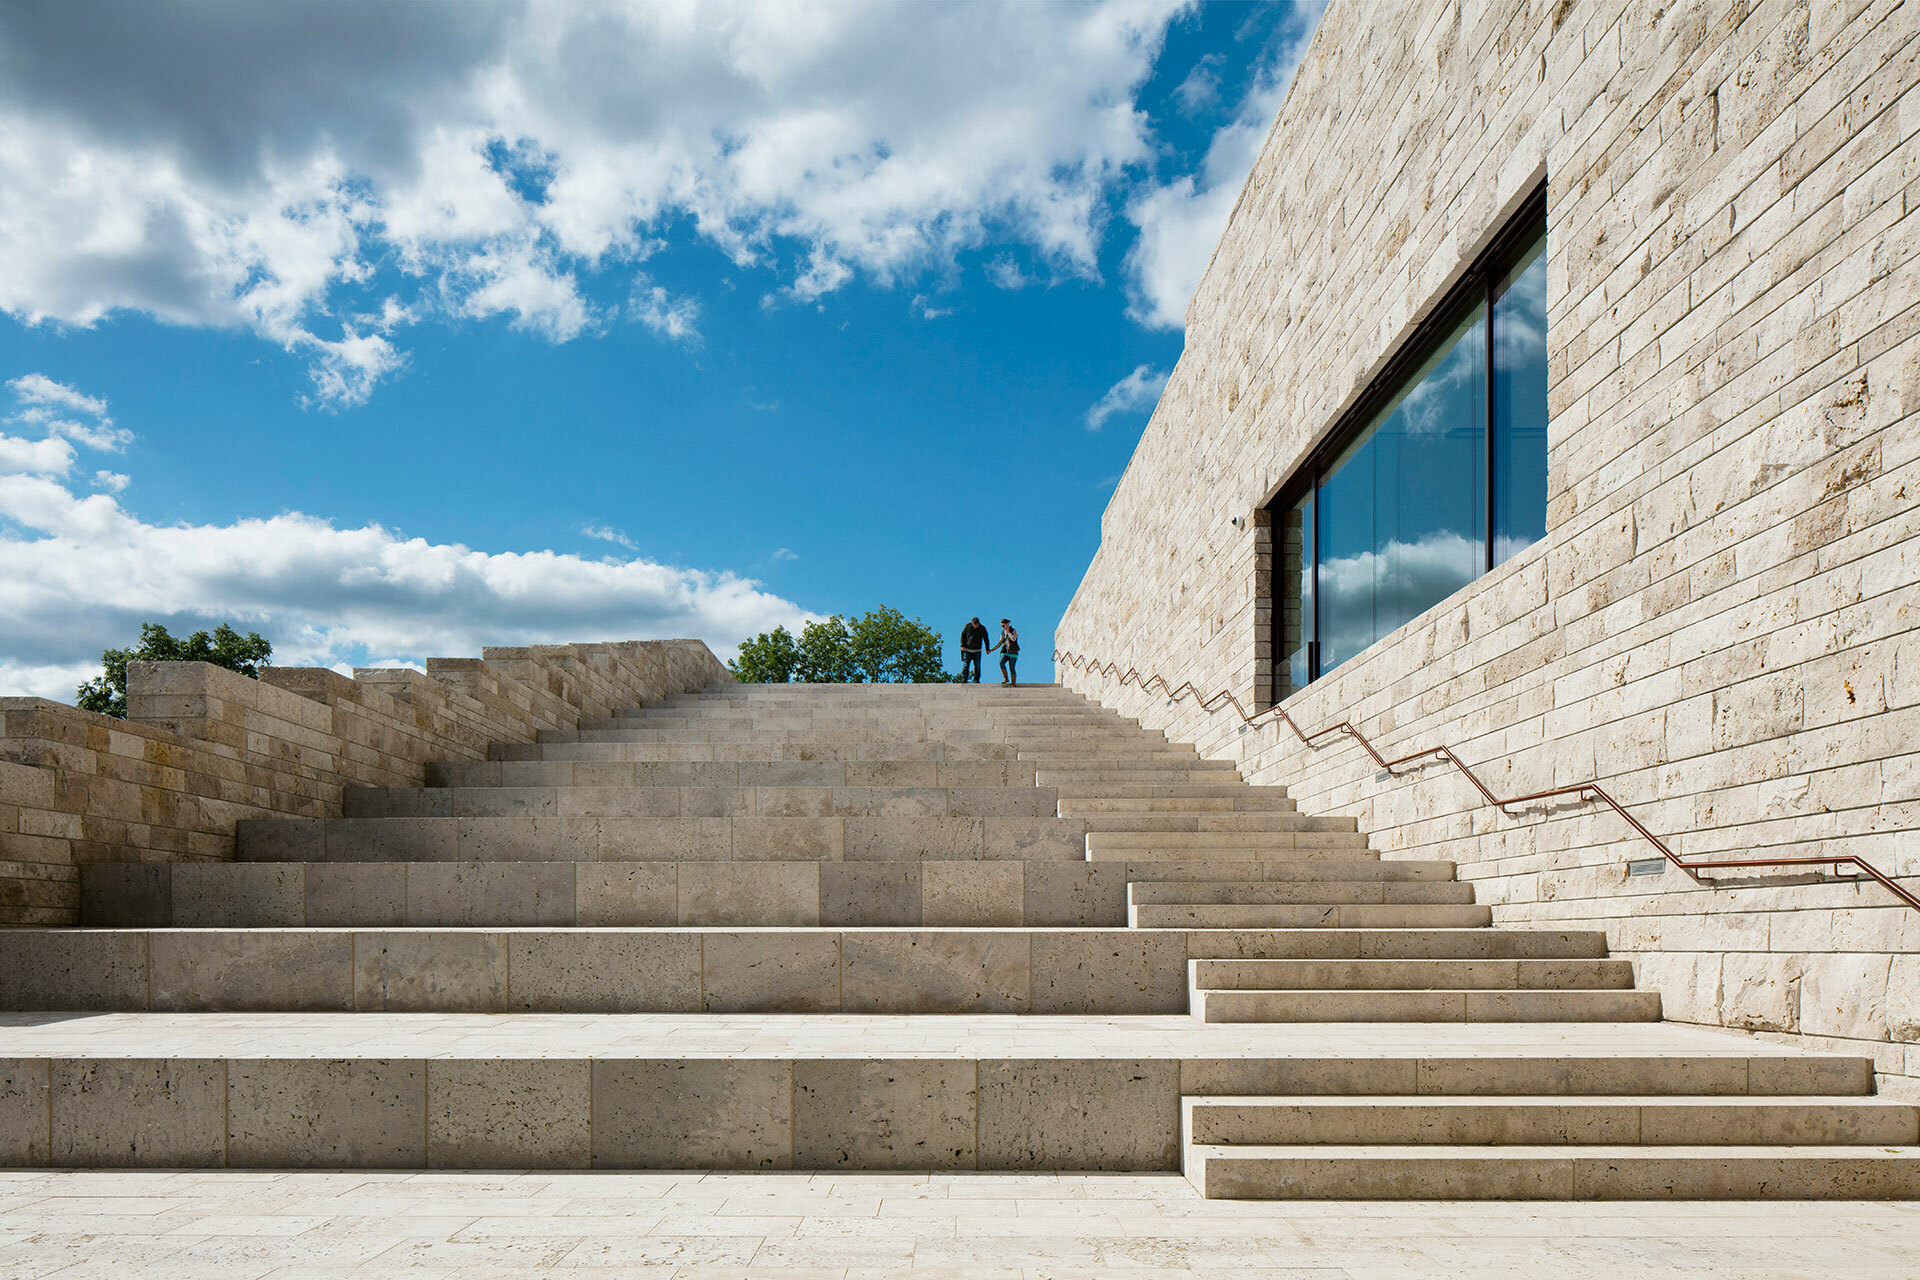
[[1006, 273], [43, 400], [1180, 221], [80, 572], [677, 319], [1138, 390], [785, 553], [607, 533], [37, 389], [297, 170], [1201, 88], [50, 457]]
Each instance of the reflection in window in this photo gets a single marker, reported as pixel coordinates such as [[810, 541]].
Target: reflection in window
[[1403, 512], [1520, 404], [1293, 547], [1441, 475]]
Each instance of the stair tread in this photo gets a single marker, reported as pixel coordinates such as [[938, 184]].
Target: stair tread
[[1509, 1101], [1571, 1151]]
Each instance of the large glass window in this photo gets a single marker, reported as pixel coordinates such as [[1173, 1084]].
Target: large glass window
[[1438, 475]]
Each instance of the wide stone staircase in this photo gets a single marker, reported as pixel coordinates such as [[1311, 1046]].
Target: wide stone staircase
[[885, 927]]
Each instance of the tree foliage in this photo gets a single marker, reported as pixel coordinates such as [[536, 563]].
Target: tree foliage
[[768, 658], [223, 647], [880, 646]]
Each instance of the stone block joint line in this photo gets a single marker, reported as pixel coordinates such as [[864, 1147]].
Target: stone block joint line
[[1585, 790]]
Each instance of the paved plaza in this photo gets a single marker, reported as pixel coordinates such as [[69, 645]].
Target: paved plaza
[[229, 1225]]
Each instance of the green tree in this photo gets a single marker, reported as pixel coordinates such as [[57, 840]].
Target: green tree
[[889, 648], [768, 658], [826, 653], [223, 647], [881, 645]]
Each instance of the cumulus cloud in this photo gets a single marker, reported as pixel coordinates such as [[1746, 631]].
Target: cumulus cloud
[[785, 553], [50, 457], [80, 572], [325, 175], [1180, 222], [1138, 390]]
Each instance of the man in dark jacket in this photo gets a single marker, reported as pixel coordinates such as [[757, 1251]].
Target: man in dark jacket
[[973, 640]]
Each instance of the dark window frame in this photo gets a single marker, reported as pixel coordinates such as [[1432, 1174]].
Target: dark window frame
[[1476, 286]]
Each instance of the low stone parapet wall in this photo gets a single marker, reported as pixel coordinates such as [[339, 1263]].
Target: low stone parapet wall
[[203, 748]]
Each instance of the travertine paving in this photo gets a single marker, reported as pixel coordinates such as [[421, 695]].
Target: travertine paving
[[952, 931], [238, 1226], [558, 1035]]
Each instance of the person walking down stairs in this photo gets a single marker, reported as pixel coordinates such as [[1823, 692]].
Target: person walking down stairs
[[973, 640], [1009, 653]]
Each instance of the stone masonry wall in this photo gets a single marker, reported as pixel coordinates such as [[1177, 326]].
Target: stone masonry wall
[[202, 748], [1721, 623]]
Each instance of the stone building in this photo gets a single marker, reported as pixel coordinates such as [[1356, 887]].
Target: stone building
[[1668, 545]]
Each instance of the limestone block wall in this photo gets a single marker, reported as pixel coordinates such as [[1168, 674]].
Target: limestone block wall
[[202, 748], [1721, 623]]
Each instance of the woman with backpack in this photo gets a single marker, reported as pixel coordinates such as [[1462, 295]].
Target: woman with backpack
[[1009, 652]]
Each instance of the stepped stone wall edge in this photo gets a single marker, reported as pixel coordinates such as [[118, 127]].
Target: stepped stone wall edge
[[203, 748], [1722, 624]]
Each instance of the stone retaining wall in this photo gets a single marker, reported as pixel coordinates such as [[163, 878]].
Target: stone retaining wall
[[202, 748], [1720, 625]]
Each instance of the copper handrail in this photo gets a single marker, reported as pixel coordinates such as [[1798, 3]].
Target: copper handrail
[[1584, 790]]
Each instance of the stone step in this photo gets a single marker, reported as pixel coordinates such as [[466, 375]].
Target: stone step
[[1555, 1173], [742, 969], [820, 694], [1239, 790], [1571, 1005], [748, 730], [1319, 889], [870, 765], [1126, 767], [698, 802], [611, 739], [1238, 864], [1318, 915], [1410, 975], [1105, 781], [1239, 800], [1211, 840], [591, 770], [661, 839], [1821, 1120], [1227, 846], [1184, 881], [594, 894], [953, 714], [623, 772], [1237, 820], [1124, 770], [718, 1091], [1468, 943], [1079, 749]]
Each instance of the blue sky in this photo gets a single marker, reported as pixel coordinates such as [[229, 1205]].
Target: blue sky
[[392, 332]]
